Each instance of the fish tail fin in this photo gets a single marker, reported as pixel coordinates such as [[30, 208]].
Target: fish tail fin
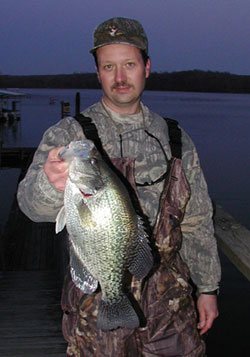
[[120, 313]]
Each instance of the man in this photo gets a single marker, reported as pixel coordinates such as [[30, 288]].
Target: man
[[128, 129]]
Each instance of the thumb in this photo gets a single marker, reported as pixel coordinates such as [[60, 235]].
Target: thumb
[[54, 154]]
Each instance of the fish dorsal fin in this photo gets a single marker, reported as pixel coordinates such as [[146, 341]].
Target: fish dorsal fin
[[60, 220], [142, 260]]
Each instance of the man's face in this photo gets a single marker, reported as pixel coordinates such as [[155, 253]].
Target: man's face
[[122, 74]]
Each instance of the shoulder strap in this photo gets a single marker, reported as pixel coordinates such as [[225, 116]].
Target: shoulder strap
[[90, 131], [174, 133]]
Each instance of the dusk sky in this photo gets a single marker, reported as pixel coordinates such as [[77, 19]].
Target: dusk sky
[[54, 36]]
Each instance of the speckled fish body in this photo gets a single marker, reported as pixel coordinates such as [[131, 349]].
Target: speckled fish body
[[106, 235]]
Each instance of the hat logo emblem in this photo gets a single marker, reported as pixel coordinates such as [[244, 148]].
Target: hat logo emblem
[[113, 30]]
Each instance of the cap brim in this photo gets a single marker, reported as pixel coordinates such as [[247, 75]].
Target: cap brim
[[116, 42]]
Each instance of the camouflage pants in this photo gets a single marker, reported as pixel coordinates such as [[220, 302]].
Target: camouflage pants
[[170, 331]]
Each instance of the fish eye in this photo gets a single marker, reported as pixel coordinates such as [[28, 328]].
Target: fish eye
[[93, 160]]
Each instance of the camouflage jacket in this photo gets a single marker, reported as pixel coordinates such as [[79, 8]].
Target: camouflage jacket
[[125, 134]]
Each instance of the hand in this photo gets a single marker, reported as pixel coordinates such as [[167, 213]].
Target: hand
[[208, 312], [56, 169]]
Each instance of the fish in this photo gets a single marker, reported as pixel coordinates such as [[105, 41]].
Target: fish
[[107, 237]]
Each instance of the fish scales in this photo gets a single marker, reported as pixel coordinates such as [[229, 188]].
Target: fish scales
[[106, 236], [108, 233]]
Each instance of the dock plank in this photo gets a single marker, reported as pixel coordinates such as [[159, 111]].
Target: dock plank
[[17, 157], [28, 245], [30, 323]]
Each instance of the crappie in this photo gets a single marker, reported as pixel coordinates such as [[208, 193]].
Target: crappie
[[106, 236]]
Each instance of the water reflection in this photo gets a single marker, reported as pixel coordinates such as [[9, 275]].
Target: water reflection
[[8, 182], [10, 132]]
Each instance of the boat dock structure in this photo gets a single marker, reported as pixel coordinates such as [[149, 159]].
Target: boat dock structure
[[33, 261], [10, 105]]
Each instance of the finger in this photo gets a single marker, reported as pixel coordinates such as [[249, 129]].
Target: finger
[[207, 325], [60, 184], [54, 154], [57, 172], [202, 319], [55, 168], [60, 167], [57, 179], [204, 330]]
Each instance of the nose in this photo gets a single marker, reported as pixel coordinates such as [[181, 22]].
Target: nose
[[120, 75]]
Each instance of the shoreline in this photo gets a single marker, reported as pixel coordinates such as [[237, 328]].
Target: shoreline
[[184, 81]]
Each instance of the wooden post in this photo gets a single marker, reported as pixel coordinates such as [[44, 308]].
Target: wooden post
[[78, 104], [65, 109]]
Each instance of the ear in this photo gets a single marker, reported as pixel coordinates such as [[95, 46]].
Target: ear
[[147, 68], [98, 75]]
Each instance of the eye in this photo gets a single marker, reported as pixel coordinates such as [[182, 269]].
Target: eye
[[108, 67], [130, 64], [92, 160]]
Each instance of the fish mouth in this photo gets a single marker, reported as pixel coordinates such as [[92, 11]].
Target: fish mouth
[[86, 195]]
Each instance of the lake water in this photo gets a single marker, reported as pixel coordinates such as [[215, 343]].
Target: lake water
[[219, 124], [220, 127]]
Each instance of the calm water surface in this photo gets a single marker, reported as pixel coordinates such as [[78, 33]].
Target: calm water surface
[[219, 124]]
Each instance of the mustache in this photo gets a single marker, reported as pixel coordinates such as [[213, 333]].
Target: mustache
[[121, 84]]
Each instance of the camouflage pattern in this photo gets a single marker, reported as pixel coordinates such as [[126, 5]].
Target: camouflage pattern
[[41, 202], [120, 30], [165, 298]]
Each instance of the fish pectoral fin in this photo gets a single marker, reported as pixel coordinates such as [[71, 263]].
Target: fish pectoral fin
[[85, 215], [80, 275], [60, 220], [84, 280], [120, 313], [142, 259]]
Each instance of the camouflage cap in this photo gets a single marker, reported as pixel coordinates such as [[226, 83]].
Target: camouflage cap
[[120, 30]]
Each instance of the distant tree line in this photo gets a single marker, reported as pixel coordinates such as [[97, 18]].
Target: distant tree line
[[76, 80], [199, 81], [188, 81]]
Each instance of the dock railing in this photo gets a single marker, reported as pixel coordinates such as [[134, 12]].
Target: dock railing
[[233, 239]]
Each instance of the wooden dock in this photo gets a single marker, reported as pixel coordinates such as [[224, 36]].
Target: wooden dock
[[234, 240], [32, 264], [15, 157], [30, 323]]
